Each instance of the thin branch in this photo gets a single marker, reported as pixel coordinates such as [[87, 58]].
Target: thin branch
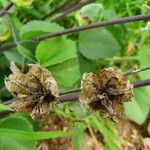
[[56, 10], [73, 3], [69, 97], [141, 83], [76, 7], [9, 46], [133, 71], [125, 58], [6, 9], [75, 96], [70, 91], [5, 113], [95, 25], [90, 26]]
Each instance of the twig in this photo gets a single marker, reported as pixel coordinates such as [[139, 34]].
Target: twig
[[95, 25], [78, 6], [91, 26], [5, 10], [57, 9], [69, 97], [5, 113], [126, 58], [70, 91], [73, 3], [6, 47], [75, 96], [133, 71], [141, 83]]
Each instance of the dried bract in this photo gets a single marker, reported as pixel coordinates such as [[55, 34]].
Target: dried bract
[[104, 89], [35, 91]]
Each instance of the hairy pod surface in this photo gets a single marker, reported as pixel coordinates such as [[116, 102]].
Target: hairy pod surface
[[35, 91], [105, 90]]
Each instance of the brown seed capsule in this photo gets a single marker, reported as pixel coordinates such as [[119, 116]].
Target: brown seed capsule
[[104, 89], [35, 91]]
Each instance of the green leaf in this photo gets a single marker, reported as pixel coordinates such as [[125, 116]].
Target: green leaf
[[138, 109], [9, 122], [4, 61], [12, 144], [54, 51], [5, 30], [4, 107], [107, 129], [109, 9], [10, 127], [136, 112], [31, 136], [14, 55], [85, 64], [110, 145], [66, 73], [61, 113], [18, 132], [89, 13], [25, 52], [17, 23], [98, 43], [93, 11], [4, 2], [78, 136], [144, 59], [141, 96], [100, 127], [78, 111], [119, 33], [37, 28]]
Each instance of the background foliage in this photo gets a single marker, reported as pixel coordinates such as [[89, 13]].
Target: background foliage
[[67, 57]]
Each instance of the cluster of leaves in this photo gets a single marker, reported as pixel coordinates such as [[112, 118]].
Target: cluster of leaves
[[68, 57]]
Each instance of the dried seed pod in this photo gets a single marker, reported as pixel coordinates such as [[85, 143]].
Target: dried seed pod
[[104, 89], [35, 91]]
